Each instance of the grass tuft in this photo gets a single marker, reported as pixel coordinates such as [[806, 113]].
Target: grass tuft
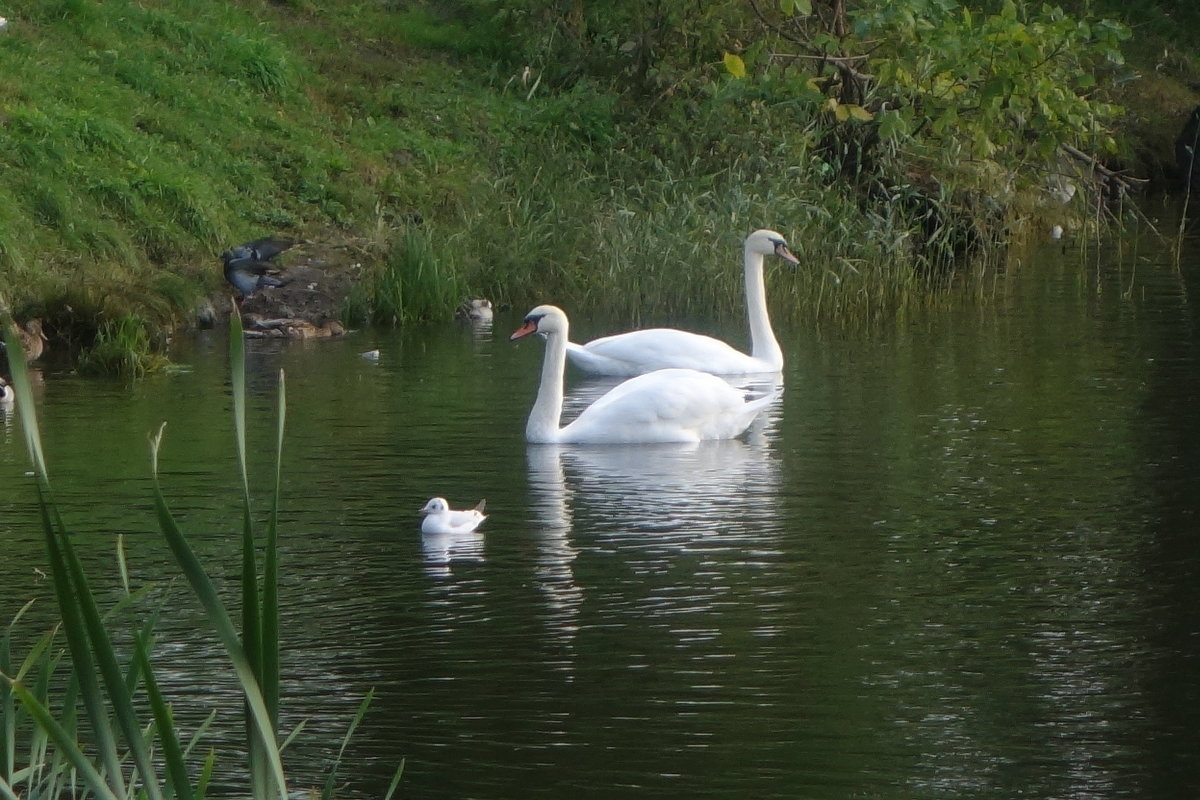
[[415, 281], [123, 348]]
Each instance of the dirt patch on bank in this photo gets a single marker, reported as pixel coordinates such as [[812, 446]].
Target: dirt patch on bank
[[317, 279]]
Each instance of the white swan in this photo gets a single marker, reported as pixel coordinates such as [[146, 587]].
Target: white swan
[[7, 395], [637, 352], [667, 405], [439, 518]]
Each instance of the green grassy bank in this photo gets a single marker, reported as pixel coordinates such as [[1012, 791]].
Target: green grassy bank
[[526, 154]]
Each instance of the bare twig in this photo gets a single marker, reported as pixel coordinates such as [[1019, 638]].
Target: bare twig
[[1110, 177]]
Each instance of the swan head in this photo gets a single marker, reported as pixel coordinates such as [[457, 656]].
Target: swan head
[[767, 242], [436, 505], [544, 320]]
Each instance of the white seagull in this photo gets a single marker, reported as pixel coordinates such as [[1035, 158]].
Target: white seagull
[[439, 518]]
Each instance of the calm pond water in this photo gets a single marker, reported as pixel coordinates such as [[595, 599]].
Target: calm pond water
[[958, 559]]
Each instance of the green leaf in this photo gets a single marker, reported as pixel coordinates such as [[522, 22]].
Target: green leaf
[[735, 66], [892, 125], [859, 113], [982, 144]]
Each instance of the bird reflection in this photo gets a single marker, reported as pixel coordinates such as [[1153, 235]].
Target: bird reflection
[[697, 487], [553, 572], [442, 550], [477, 315], [643, 499]]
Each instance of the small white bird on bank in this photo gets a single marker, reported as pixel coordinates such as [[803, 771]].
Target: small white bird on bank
[[440, 518]]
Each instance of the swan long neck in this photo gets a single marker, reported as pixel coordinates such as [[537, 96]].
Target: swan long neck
[[763, 344], [546, 413]]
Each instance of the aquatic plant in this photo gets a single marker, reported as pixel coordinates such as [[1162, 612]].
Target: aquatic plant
[[123, 347], [125, 756], [414, 280]]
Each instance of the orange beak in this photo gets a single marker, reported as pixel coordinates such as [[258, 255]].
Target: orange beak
[[523, 331]]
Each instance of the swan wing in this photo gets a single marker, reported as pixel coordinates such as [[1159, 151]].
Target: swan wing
[[639, 352]]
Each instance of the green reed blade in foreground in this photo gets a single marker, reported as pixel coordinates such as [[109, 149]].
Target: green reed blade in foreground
[[395, 781], [8, 733], [8, 710], [6, 790], [270, 590], [251, 632], [97, 678], [165, 723], [119, 694], [252, 612], [327, 792], [62, 740], [237, 381], [261, 733], [24, 398], [81, 657]]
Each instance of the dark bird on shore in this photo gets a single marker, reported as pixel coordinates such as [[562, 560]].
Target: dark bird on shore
[[246, 265]]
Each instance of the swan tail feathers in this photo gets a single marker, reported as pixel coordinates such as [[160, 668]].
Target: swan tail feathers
[[759, 403]]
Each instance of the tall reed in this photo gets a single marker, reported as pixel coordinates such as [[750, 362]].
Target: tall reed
[[125, 757]]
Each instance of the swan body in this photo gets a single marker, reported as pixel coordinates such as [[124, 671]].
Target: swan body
[[439, 518], [638, 352], [7, 395], [667, 405]]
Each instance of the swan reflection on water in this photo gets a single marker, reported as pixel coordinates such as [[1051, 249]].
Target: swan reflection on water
[[650, 503], [699, 487], [654, 487]]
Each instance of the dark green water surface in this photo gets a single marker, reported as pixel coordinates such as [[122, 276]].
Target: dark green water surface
[[959, 558]]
